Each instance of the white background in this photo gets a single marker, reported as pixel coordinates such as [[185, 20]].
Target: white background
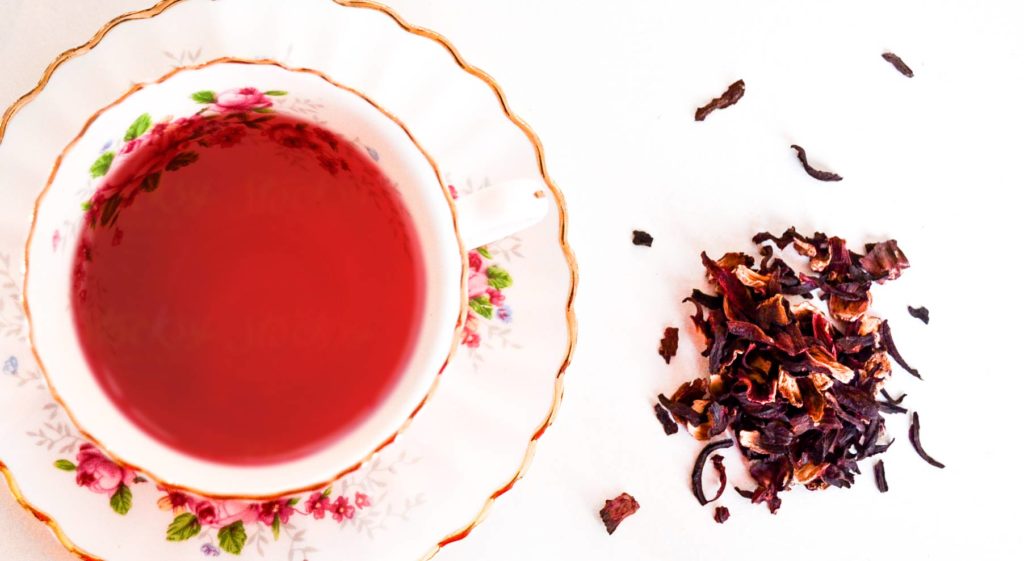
[[611, 86]]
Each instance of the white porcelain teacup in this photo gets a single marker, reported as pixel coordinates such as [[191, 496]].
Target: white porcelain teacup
[[446, 230]]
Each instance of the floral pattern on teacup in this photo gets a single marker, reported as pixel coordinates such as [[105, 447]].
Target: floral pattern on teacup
[[232, 520]]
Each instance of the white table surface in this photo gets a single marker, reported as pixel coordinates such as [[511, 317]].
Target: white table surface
[[610, 86]]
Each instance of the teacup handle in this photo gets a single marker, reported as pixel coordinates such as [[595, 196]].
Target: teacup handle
[[499, 211]]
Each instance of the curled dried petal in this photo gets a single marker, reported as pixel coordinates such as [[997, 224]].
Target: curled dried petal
[[838, 370], [789, 389], [885, 261], [733, 94], [848, 310], [915, 441], [883, 485], [667, 423], [697, 476], [721, 514]]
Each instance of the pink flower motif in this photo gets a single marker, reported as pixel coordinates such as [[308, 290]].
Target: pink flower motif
[[98, 473], [205, 512], [318, 505], [362, 500], [475, 260], [497, 298], [240, 100], [477, 285], [271, 509], [56, 239], [341, 510], [451, 189], [470, 338]]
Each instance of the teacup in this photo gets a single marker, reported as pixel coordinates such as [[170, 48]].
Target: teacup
[[253, 93]]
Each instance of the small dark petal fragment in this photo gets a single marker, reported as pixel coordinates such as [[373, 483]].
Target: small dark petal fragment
[[883, 485], [815, 173], [617, 510], [898, 63], [642, 238], [721, 514], [680, 410], [697, 477], [887, 407], [915, 440], [731, 96], [669, 344], [665, 419], [890, 347], [920, 313], [719, 464], [893, 400], [744, 493]]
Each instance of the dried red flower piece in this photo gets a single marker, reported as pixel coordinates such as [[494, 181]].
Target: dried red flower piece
[[718, 462], [618, 509], [919, 313], [744, 493], [898, 63], [642, 238], [665, 419], [669, 344], [915, 441], [697, 477], [884, 261], [721, 514], [890, 347], [818, 174], [730, 97], [883, 485]]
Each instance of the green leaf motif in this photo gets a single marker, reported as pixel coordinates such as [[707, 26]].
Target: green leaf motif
[[121, 502], [183, 527], [205, 96], [151, 182], [139, 127], [102, 164], [293, 501], [276, 527], [232, 538], [482, 306], [327, 492], [64, 465], [484, 251], [182, 160], [86, 206], [498, 277], [264, 110], [276, 93]]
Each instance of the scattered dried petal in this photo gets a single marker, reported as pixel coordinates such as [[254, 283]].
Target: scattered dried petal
[[665, 419], [616, 510], [920, 313], [697, 477], [884, 261], [721, 514], [818, 174], [669, 344], [642, 238], [883, 485], [915, 440], [890, 347], [898, 63], [731, 96], [744, 493]]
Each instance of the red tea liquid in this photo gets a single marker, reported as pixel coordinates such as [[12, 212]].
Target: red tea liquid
[[247, 291]]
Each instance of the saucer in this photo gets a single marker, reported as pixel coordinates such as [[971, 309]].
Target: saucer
[[473, 439]]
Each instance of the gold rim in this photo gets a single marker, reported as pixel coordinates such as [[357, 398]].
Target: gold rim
[[570, 258], [463, 305]]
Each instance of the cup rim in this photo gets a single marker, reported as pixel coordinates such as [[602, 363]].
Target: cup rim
[[453, 347]]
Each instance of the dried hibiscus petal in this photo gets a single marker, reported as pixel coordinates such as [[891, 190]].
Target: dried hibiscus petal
[[890, 347], [721, 514], [730, 97], [697, 477], [915, 441], [642, 238], [920, 313], [818, 174], [883, 485], [618, 509], [898, 64], [665, 419], [669, 344], [719, 464]]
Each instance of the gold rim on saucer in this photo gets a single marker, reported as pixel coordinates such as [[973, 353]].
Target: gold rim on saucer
[[559, 198]]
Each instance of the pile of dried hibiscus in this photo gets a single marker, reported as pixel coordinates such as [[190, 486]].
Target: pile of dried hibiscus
[[802, 390]]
